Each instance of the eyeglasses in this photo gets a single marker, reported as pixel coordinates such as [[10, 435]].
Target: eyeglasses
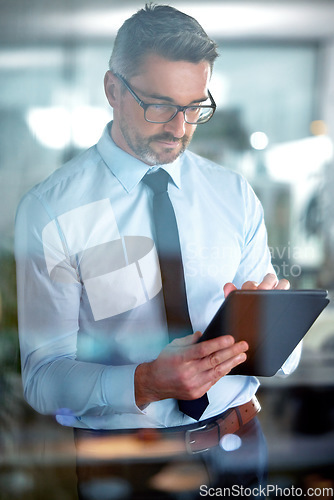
[[164, 113]]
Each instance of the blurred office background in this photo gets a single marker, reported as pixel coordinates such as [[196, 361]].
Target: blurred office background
[[274, 86]]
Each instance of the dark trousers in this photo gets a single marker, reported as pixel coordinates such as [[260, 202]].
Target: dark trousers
[[239, 462]]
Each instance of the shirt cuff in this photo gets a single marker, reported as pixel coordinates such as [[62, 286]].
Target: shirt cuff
[[292, 362], [118, 389]]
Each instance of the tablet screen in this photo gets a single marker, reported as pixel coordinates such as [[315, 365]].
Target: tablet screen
[[272, 322]]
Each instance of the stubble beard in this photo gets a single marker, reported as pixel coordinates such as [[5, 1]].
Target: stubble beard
[[142, 149]]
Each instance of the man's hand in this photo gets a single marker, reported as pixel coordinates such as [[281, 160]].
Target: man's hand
[[270, 282], [187, 370]]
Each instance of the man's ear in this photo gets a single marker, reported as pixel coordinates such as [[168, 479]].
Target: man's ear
[[110, 81]]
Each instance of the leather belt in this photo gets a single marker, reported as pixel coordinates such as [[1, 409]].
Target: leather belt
[[149, 443], [207, 436]]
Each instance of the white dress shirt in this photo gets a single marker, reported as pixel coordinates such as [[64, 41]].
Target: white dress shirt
[[89, 286]]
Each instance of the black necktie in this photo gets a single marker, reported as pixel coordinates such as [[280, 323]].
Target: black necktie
[[170, 259]]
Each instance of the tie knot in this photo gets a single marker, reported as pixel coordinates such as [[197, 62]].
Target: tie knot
[[157, 181]]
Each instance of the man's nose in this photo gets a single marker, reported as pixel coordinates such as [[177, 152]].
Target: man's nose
[[177, 126]]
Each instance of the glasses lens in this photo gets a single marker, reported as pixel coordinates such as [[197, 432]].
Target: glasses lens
[[160, 113], [163, 113], [198, 114]]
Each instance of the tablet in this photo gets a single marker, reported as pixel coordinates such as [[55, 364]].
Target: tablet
[[272, 322]]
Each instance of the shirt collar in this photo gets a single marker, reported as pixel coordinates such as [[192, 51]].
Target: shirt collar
[[128, 169]]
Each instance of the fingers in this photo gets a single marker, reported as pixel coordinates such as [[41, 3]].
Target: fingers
[[198, 375], [218, 365], [250, 285], [283, 285], [218, 362], [208, 348], [269, 282], [221, 360], [188, 370], [224, 368], [228, 288]]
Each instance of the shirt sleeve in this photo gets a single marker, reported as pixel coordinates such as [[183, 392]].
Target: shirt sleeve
[[49, 292], [255, 260]]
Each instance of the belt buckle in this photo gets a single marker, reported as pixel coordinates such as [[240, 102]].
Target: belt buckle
[[189, 440]]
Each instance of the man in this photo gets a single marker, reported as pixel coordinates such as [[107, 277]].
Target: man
[[93, 329]]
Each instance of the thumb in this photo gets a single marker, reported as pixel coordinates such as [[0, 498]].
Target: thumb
[[188, 339]]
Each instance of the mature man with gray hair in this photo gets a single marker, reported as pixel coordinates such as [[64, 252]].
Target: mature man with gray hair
[[115, 253]]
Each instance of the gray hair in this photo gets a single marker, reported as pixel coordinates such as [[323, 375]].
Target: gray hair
[[161, 30]]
